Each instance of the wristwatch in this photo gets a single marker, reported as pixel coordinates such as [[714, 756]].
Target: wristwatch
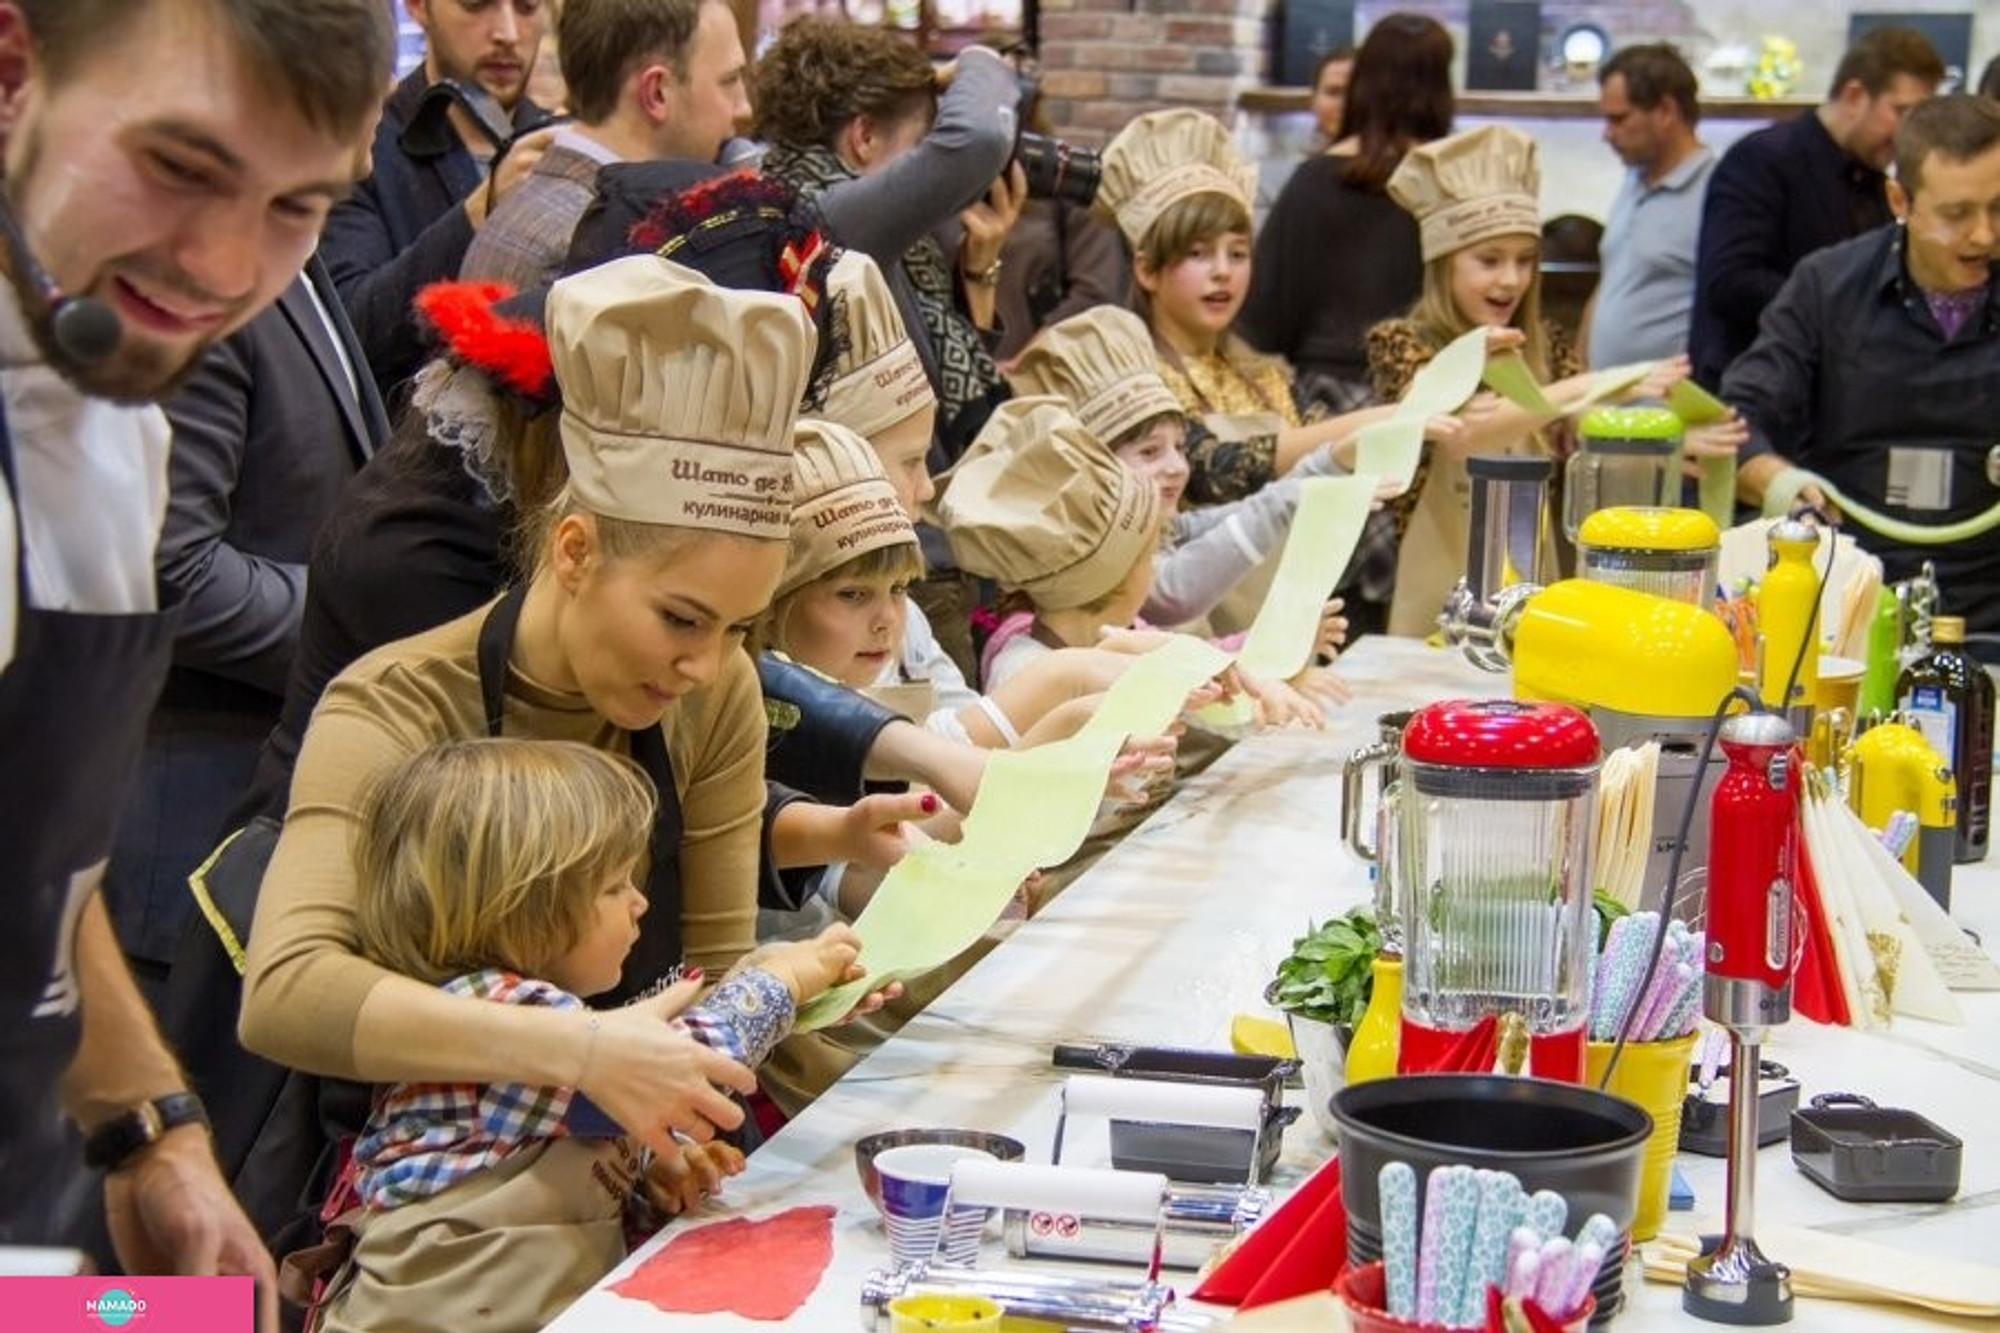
[[115, 1142], [985, 277]]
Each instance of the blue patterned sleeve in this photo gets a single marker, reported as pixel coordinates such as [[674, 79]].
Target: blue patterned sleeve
[[744, 1017]]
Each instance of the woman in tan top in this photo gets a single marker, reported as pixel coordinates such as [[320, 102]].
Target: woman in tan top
[[648, 570]]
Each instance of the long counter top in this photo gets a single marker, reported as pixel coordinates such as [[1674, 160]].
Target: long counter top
[[1179, 928]]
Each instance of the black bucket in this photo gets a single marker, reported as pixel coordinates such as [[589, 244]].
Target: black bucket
[[1584, 1145]]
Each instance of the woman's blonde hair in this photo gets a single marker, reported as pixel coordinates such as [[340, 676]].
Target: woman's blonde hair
[[903, 561], [1438, 319], [492, 852], [615, 538]]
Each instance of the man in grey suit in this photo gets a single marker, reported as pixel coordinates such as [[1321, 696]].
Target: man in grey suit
[[265, 435]]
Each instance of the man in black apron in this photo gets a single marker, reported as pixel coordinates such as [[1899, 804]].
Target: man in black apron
[[168, 163]]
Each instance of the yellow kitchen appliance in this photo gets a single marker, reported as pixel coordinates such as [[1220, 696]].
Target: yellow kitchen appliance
[[1624, 456], [1669, 552], [1892, 769], [1642, 667], [1788, 623]]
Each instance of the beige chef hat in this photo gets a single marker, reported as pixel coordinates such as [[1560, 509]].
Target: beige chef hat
[[1163, 157], [843, 505], [1037, 504], [878, 379], [678, 396], [1101, 363], [1471, 186]]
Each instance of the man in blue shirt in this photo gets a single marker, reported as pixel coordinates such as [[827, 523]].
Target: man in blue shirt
[[1878, 366], [1646, 293]]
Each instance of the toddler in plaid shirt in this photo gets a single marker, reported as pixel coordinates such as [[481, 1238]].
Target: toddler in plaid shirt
[[506, 871]]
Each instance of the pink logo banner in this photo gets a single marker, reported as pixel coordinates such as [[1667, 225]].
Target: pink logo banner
[[141, 1304]]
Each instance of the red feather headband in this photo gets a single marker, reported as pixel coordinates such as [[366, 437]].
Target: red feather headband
[[512, 350]]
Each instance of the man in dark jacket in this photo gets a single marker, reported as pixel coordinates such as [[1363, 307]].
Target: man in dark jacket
[[1878, 366], [1784, 192], [435, 176], [266, 434]]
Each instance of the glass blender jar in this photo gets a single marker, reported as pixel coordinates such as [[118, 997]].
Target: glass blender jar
[[1624, 456], [1495, 810], [1667, 552]]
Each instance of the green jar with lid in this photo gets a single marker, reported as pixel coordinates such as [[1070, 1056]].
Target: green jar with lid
[[1625, 456]]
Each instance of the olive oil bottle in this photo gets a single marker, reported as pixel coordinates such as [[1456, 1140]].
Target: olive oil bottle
[[1948, 696]]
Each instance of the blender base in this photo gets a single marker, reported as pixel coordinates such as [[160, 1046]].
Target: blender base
[[1736, 1284]]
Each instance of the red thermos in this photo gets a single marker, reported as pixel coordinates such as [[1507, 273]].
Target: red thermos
[[1753, 871]]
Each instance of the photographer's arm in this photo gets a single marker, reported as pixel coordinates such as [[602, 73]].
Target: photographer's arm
[[967, 148]]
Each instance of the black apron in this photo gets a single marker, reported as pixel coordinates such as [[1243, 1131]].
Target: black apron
[[657, 956], [73, 709]]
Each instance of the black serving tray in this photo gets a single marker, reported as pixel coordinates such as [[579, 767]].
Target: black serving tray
[[1854, 1149], [1705, 1123]]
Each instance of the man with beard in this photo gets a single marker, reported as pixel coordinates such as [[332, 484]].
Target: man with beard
[[169, 164], [438, 171]]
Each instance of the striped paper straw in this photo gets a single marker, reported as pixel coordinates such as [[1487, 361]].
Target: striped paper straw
[[1458, 1201], [1553, 1278], [1487, 1259], [1523, 1255], [1433, 1231], [1548, 1212], [1397, 1190]]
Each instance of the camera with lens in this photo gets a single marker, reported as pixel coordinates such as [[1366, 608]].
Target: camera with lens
[[1057, 169]]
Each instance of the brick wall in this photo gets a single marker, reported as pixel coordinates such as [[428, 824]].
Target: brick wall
[[1106, 61]]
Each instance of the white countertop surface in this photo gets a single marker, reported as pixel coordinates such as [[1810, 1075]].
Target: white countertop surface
[[1181, 926]]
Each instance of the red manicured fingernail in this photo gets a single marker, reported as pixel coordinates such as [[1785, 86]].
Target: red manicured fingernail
[[690, 974], [929, 803]]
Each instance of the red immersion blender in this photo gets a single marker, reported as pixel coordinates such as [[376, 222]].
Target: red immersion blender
[[1753, 866]]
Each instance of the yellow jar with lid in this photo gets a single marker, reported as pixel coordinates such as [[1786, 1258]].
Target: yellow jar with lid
[[1671, 553]]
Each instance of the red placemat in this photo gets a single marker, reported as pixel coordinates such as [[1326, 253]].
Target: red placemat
[[756, 1269]]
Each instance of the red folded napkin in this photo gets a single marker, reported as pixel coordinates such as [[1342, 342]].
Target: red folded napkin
[[1816, 992], [1300, 1248], [759, 1270]]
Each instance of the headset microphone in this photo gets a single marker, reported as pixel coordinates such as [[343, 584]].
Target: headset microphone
[[83, 328]]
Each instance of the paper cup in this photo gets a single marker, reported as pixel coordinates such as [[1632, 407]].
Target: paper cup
[[936, 1312], [1839, 684], [1655, 1075], [915, 1182]]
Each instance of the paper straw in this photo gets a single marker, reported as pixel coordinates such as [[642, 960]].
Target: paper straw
[[1586, 1260], [1682, 979], [1486, 1264], [1548, 1211], [1458, 1201], [1397, 1189], [1523, 1248], [1645, 1008], [1553, 1278], [1624, 968], [1427, 1256], [1598, 1230]]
